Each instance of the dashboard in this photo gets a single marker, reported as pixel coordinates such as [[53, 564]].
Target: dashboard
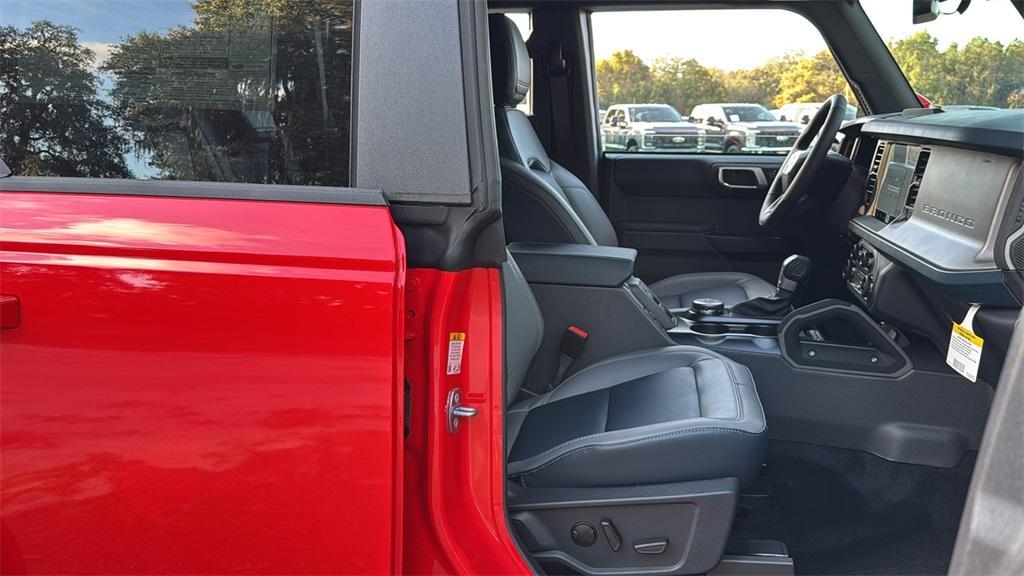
[[943, 197], [940, 223]]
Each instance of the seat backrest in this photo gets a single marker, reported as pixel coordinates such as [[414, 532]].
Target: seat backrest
[[541, 200], [524, 327]]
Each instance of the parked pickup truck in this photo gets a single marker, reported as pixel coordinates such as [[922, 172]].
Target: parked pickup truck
[[744, 128], [650, 127]]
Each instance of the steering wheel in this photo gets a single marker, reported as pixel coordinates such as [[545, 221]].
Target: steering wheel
[[793, 180]]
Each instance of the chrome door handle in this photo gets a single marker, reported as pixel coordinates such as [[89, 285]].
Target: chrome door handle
[[757, 171], [455, 410]]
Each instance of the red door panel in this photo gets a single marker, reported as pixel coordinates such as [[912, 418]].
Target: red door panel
[[455, 481], [200, 386]]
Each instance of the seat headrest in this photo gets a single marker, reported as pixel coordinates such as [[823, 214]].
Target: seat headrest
[[510, 62]]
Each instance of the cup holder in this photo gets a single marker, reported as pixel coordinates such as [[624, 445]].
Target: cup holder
[[708, 329], [763, 335]]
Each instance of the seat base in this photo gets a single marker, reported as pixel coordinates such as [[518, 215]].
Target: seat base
[[678, 528], [669, 414]]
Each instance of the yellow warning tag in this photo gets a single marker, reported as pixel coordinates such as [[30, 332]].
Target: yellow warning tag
[[456, 343], [965, 346]]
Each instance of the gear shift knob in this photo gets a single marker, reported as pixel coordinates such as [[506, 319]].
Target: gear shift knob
[[795, 272]]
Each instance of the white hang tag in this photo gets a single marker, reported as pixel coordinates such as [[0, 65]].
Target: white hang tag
[[456, 342], [964, 353]]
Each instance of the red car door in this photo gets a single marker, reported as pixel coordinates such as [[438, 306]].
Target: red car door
[[199, 385], [202, 344]]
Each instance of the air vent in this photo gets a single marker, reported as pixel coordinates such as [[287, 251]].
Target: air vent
[[915, 182], [872, 181]]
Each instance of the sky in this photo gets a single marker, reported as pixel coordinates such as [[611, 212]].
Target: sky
[[100, 22]]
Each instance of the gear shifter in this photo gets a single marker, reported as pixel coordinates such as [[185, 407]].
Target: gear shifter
[[794, 274]]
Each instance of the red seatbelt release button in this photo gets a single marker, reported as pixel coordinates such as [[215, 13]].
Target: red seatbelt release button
[[573, 341]]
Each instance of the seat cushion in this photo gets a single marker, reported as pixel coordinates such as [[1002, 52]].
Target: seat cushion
[[665, 415], [729, 287]]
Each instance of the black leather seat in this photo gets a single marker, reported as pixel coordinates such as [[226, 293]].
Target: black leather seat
[[669, 414], [544, 202]]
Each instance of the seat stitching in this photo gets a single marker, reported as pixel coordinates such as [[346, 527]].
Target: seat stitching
[[764, 418], [734, 383], [696, 387], [622, 443], [735, 390], [582, 439]]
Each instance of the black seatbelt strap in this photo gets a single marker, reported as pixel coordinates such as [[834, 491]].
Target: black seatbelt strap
[[559, 103], [573, 342]]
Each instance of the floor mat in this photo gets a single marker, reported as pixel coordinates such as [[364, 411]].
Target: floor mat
[[849, 512]]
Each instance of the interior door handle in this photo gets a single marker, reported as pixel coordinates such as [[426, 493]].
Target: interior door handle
[[757, 171], [10, 311]]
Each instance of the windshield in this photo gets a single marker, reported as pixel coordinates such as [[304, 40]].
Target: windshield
[[957, 61], [655, 114], [748, 114]]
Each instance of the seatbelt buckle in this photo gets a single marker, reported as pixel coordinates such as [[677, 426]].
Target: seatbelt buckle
[[573, 341]]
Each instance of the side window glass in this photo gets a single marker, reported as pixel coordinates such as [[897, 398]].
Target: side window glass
[[689, 95], [253, 91]]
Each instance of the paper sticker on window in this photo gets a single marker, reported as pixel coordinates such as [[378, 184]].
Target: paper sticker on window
[[456, 342], [965, 346], [734, 117]]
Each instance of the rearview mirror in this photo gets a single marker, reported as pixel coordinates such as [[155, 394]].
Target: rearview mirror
[[928, 10], [622, 124], [925, 11], [806, 118]]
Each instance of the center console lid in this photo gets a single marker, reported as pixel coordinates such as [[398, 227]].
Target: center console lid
[[573, 264]]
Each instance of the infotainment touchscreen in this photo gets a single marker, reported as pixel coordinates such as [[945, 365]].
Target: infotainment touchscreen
[[899, 173]]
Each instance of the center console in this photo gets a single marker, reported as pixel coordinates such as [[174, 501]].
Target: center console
[[821, 369], [826, 373]]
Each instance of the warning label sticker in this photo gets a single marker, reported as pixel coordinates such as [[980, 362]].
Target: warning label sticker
[[965, 346], [456, 343]]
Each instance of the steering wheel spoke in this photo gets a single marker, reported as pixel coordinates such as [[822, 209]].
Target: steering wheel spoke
[[802, 164]]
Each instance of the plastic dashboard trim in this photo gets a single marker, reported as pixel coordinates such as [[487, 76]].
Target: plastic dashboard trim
[[982, 286]]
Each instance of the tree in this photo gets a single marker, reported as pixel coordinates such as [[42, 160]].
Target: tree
[[922, 63], [623, 79], [685, 83], [54, 121], [277, 112], [1011, 80], [759, 85], [812, 79], [980, 72], [971, 73]]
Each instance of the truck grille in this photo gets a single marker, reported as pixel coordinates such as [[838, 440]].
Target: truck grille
[[674, 141], [775, 140]]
